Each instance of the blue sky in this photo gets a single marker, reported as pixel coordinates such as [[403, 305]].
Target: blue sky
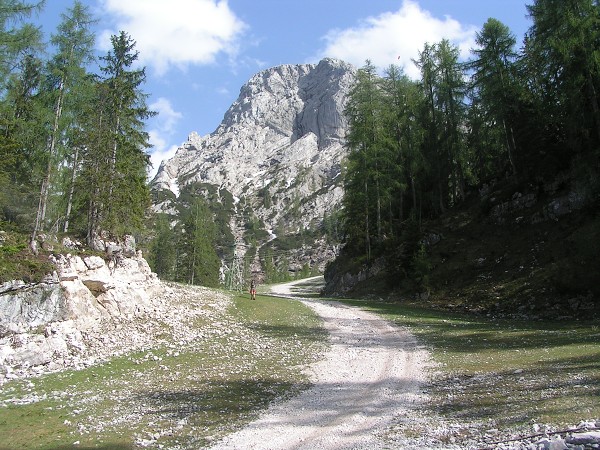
[[199, 53]]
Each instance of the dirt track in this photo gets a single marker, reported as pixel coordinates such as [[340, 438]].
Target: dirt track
[[369, 378]]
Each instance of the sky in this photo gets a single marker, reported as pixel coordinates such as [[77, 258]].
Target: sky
[[199, 53]]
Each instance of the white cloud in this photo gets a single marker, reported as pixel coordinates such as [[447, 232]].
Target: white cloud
[[167, 116], [396, 38], [160, 152], [175, 32], [163, 127]]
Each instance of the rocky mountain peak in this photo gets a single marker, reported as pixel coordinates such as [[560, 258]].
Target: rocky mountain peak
[[278, 151]]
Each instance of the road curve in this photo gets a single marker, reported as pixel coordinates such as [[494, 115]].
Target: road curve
[[370, 376]]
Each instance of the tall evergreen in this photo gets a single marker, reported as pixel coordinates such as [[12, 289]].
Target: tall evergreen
[[402, 100], [450, 95], [199, 262], [494, 90], [22, 119], [20, 110], [363, 204], [163, 252], [114, 161], [66, 73], [429, 117], [17, 39]]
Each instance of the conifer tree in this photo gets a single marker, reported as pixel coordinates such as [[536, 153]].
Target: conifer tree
[[450, 94], [115, 161], [199, 262], [66, 73], [402, 100], [429, 118], [493, 88], [162, 257], [21, 109], [17, 39], [363, 200]]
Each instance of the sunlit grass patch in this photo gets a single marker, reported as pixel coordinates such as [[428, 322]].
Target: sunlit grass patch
[[180, 393]]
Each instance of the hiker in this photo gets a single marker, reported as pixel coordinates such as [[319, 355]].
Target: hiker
[[252, 290]]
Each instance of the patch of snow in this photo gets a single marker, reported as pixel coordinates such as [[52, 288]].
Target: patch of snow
[[174, 186]]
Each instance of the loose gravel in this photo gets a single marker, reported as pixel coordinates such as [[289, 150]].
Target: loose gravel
[[370, 376]]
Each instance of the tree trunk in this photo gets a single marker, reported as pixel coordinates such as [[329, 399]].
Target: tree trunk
[[44, 191], [71, 190], [367, 234], [510, 145]]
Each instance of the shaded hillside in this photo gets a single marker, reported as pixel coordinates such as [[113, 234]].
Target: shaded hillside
[[510, 250]]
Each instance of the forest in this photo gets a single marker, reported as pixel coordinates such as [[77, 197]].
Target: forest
[[72, 151], [519, 113], [73, 148]]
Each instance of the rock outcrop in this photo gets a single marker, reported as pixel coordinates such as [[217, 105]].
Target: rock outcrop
[[277, 153], [43, 325]]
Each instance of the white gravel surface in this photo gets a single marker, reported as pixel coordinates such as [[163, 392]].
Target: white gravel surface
[[369, 379]]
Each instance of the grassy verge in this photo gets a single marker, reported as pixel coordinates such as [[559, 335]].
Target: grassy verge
[[176, 395], [506, 374]]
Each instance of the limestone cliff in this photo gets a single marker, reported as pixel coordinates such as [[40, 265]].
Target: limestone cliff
[[43, 326], [277, 155]]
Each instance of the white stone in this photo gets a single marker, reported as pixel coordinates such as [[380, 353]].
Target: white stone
[[284, 138]]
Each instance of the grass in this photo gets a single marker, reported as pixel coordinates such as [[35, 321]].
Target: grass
[[16, 260], [506, 374], [174, 395], [489, 373]]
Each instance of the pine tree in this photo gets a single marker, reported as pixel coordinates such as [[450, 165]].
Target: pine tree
[[115, 161], [21, 111], [162, 256], [450, 94], [200, 262], [430, 120], [67, 72], [16, 42], [363, 199], [493, 87], [21, 149], [402, 100]]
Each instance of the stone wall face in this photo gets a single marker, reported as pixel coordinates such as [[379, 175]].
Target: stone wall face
[[42, 326]]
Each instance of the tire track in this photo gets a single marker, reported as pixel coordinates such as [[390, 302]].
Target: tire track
[[371, 374]]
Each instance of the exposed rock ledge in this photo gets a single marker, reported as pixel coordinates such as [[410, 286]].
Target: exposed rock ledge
[[47, 326]]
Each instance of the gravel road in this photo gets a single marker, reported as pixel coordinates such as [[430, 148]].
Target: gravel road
[[370, 378]]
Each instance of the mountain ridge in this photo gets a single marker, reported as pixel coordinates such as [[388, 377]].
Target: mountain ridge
[[278, 152]]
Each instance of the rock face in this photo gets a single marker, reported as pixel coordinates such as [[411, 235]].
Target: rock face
[[277, 153], [42, 326]]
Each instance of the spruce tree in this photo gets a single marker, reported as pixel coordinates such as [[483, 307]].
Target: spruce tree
[[66, 73], [362, 202], [162, 256], [115, 162], [21, 109], [494, 90], [200, 263]]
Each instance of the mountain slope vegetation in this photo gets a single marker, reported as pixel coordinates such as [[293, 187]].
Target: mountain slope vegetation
[[478, 183]]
